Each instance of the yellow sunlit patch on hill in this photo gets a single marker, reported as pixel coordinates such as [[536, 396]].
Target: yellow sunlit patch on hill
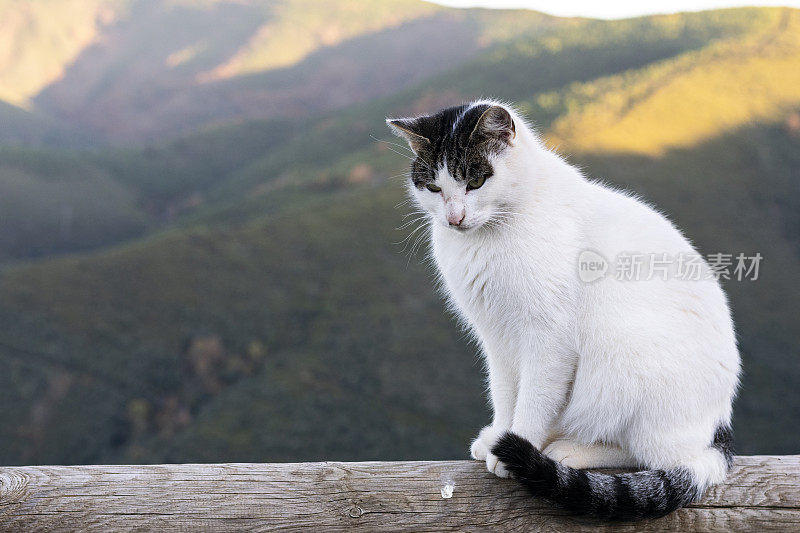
[[298, 28], [687, 100], [47, 35]]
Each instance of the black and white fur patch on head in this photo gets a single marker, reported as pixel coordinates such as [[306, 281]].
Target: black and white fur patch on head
[[461, 139]]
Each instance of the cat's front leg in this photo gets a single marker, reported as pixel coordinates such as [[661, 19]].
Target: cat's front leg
[[503, 379], [545, 378]]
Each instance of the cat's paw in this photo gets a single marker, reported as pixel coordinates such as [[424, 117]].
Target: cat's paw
[[495, 466], [479, 450], [567, 452], [576, 455]]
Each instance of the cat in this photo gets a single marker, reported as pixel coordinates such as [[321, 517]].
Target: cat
[[609, 372]]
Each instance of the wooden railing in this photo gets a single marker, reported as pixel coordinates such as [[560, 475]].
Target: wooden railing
[[761, 494]]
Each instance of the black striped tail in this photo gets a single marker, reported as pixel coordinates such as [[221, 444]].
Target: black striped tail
[[631, 496]]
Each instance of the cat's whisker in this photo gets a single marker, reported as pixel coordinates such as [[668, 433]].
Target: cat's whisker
[[410, 248], [411, 222], [400, 154], [408, 237], [414, 234], [416, 216], [415, 246], [500, 224], [414, 158], [423, 223], [415, 211], [398, 176], [404, 147], [425, 164]]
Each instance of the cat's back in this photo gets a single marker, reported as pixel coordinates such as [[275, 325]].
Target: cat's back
[[618, 222], [649, 285]]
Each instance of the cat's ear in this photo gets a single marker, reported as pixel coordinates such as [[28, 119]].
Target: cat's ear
[[413, 130], [495, 126]]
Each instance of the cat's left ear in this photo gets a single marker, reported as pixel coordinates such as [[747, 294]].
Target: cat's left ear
[[413, 130], [495, 125]]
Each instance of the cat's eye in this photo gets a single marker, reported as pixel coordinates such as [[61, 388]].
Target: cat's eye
[[433, 188], [476, 183]]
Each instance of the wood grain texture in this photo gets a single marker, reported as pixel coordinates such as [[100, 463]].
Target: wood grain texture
[[761, 494]]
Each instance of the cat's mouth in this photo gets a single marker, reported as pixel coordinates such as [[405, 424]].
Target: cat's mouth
[[465, 228], [488, 223]]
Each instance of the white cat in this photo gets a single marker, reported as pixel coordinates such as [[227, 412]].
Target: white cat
[[605, 373]]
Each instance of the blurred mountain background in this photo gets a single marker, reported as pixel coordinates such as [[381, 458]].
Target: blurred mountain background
[[200, 257]]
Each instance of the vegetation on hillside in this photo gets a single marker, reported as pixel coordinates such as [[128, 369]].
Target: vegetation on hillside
[[259, 309], [52, 202], [190, 64], [692, 98]]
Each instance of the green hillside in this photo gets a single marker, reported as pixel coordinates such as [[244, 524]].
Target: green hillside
[[268, 314], [521, 71], [21, 127], [53, 202], [299, 307], [191, 64], [693, 97]]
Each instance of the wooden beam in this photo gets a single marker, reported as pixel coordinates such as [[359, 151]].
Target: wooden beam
[[761, 494]]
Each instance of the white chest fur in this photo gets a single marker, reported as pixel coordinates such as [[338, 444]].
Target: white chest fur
[[506, 282]]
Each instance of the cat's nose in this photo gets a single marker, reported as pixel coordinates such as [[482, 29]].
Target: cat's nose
[[455, 218]]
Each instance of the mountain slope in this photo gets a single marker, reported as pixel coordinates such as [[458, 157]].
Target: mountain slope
[[137, 70], [20, 127], [275, 320], [57, 202], [40, 38], [190, 64], [692, 98], [676, 48], [227, 174]]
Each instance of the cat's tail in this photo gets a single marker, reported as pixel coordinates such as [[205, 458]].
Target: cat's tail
[[630, 496]]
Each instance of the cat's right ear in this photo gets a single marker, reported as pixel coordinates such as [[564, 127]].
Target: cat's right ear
[[412, 130]]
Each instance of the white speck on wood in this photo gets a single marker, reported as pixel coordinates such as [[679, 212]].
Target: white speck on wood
[[447, 490]]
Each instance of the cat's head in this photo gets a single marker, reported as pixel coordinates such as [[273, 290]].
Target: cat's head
[[464, 160]]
